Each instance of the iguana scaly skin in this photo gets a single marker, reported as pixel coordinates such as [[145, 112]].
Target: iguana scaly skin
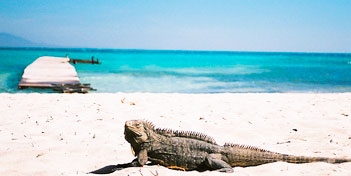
[[196, 151]]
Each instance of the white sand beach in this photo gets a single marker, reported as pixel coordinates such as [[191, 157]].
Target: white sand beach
[[72, 134]]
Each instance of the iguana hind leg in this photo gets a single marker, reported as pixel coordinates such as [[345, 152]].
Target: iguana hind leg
[[215, 162]]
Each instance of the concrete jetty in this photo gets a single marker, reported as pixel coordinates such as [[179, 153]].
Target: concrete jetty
[[53, 72]]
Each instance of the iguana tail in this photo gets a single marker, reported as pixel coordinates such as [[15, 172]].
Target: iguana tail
[[239, 155], [304, 159]]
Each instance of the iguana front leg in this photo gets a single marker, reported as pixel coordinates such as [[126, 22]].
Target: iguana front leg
[[142, 157], [137, 162]]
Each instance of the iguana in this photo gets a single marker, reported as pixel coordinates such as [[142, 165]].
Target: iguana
[[196, 151]]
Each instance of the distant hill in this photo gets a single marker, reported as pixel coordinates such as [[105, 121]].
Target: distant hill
[[9, 40]]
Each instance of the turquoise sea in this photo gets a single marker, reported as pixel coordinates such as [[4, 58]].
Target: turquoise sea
[[190, 71]]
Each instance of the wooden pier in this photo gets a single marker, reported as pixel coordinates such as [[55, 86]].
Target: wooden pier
[[55, 73], [92, 61]]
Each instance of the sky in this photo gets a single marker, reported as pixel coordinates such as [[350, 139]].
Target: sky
[[224, 25]]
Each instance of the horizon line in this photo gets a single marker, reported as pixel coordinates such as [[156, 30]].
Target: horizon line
[[164, 50]]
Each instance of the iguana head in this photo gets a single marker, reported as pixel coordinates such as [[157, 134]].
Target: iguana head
[[136, 131]]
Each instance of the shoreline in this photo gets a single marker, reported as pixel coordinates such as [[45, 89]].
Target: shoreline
[[72, 134]]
